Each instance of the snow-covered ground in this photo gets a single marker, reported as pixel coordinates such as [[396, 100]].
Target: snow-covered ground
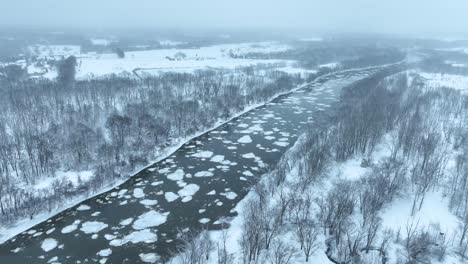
[[438, 80], [170, 59]]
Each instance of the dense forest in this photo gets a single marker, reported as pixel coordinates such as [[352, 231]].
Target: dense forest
[[109, 125]]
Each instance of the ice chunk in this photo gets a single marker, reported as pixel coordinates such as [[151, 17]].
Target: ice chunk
[[92, 227], [138, 193], [176, 176], [204, 174], [170, 196], [149, 257], [244, 140], [48, 244], [149, 219]]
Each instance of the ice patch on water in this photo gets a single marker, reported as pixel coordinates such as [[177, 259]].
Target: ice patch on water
[[170, 196], [149, 219], [247, 173], [105, 252], [48, 244], [230, 195], [203, 154], [92, 227], [217, 158], [149, 257], [245, 140], [281, 143], [126, 222], [138, 193], [71, 228], [83, 207], [249, 156], [189, 190], [148, 202], [204, 174], [142, 236], [176, 176], [204, 220]]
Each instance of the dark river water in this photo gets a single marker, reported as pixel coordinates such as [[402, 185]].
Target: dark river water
[[197, 186]]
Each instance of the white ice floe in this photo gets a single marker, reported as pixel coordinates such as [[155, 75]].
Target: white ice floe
[[204, 174], [71, 228], [204, 220], [176, 176], [203, 154], [189, 190], [83, 207], [48, 244], [217, 158], [170, 196], [92, 227], [247, 173], [249, 156], [230, 195], [138, 193], [149, 219], [105, 252], [245, 140], [141, 236], [148, 202], [126, 222], [149, 257], [281, 143]]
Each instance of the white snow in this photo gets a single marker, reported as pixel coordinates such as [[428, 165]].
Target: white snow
[[69, 176], [149, 219], [48, 244], [438, 80], [101, 42], [435, 210], [331, 65], [93, 227]]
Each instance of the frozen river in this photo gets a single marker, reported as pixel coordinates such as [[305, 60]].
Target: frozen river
[[197, 186]]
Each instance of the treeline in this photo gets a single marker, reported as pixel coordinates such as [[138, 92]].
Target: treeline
[[109, 125], [287, 218]]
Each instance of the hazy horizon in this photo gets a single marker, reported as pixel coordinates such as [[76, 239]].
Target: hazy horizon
[[397, 17]]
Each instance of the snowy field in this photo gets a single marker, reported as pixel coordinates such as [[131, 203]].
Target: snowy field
[[92, 65], [439, 80]]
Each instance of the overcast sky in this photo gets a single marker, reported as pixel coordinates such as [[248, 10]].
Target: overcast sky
[[386, 16]]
